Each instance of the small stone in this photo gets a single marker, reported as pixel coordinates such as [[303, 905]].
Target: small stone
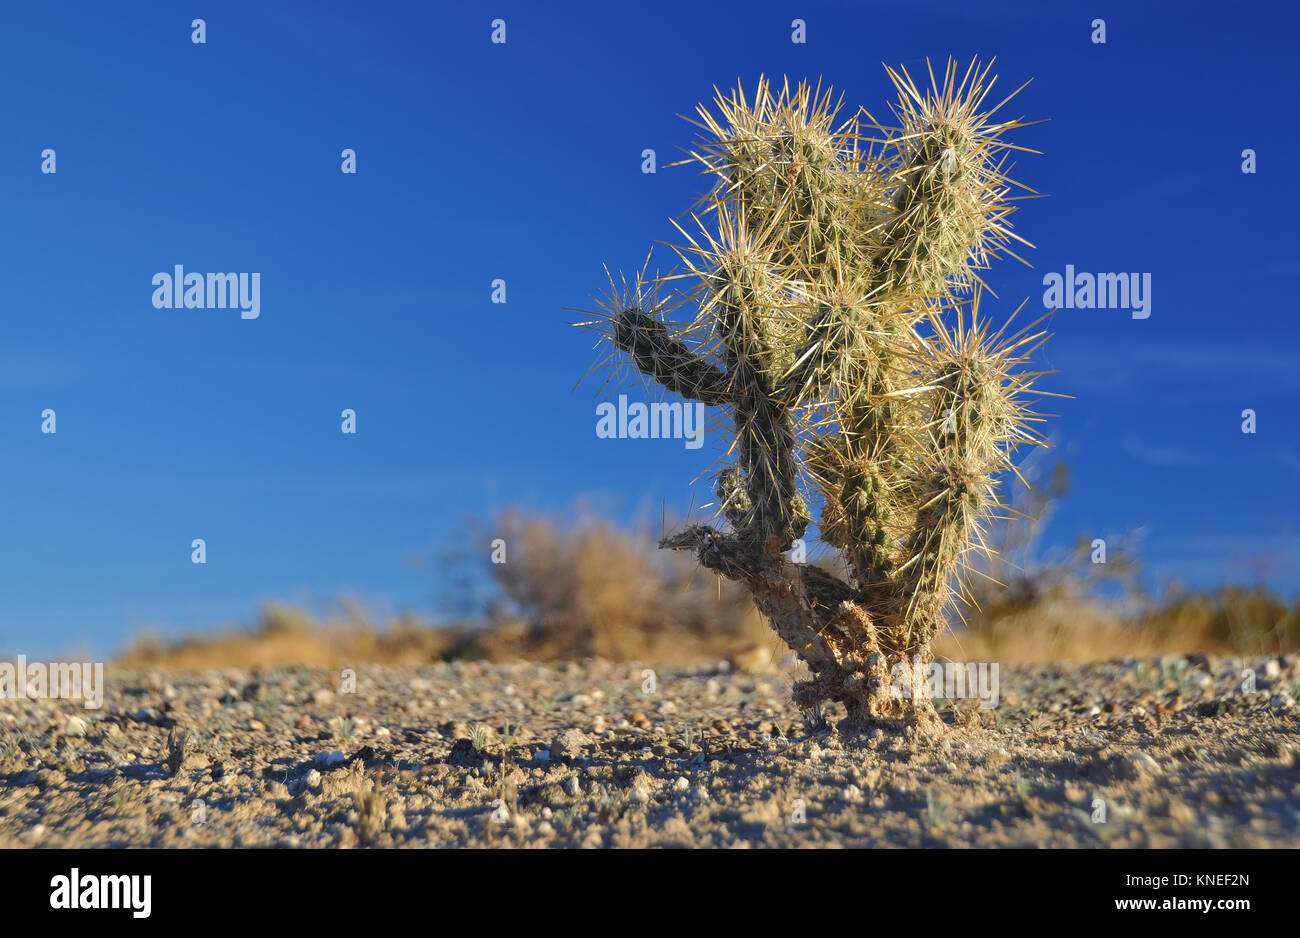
[[638, 795], [303, 721], [1143, 764], [699, 794], [598, 726], [330, 759], [1094, 711], [75, 726], [322, 696], [312, 779], [256, 726], [681, 784], [851, 794], [572, 786], [543, 755], [569, 744], [1272, 669]]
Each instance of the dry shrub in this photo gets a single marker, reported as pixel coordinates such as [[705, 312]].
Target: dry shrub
[[287, 635], [589, 589]]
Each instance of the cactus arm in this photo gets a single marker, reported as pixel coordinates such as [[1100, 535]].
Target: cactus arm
[[659, 355]]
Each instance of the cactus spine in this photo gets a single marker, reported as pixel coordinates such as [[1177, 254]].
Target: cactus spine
[[837, 324]]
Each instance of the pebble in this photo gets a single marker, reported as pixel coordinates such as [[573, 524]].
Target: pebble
[[851, 794], [638, 795], [1272, 669], [322, 696], [330, 759], [543, 755], [75, 726], [1144, 764], [312, 779], [569, 744], [681, 784], [572, 786]]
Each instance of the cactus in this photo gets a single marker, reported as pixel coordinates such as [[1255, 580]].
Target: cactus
[[837, 326]]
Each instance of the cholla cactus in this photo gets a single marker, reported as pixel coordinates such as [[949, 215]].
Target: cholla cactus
[[837, 328]]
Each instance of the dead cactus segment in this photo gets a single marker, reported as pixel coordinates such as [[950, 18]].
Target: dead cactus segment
[[837, 328]]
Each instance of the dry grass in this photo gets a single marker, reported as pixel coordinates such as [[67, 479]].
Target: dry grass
[[589, 589]]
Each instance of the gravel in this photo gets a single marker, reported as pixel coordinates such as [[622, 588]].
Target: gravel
[[1168, 753]]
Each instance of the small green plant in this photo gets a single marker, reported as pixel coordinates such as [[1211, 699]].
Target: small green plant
[[1022, 786], [344, 728], [478, 736], [837, 328], [120, 798], [270, 704], [178, 750], [937, 811], [509, 733], [1036, 722]]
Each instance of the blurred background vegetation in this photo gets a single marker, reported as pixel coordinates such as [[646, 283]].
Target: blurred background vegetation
[[579, 587]]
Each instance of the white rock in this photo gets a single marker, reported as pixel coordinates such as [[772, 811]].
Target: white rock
[[681, 784], [851, 793], [572, 786], [75, 726], [330, 759], [638, 795], [1145, 764], [313, 779], [1272, 670]]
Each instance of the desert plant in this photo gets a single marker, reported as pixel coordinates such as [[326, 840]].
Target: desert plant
[[838, 329]]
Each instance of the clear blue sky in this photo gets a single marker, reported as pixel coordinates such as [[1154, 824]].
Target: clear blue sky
[[522, 162]]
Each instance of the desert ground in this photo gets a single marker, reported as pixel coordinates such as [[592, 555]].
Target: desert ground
[[1169, 752]]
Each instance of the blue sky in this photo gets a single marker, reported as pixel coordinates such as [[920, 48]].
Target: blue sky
[[522, 162]]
